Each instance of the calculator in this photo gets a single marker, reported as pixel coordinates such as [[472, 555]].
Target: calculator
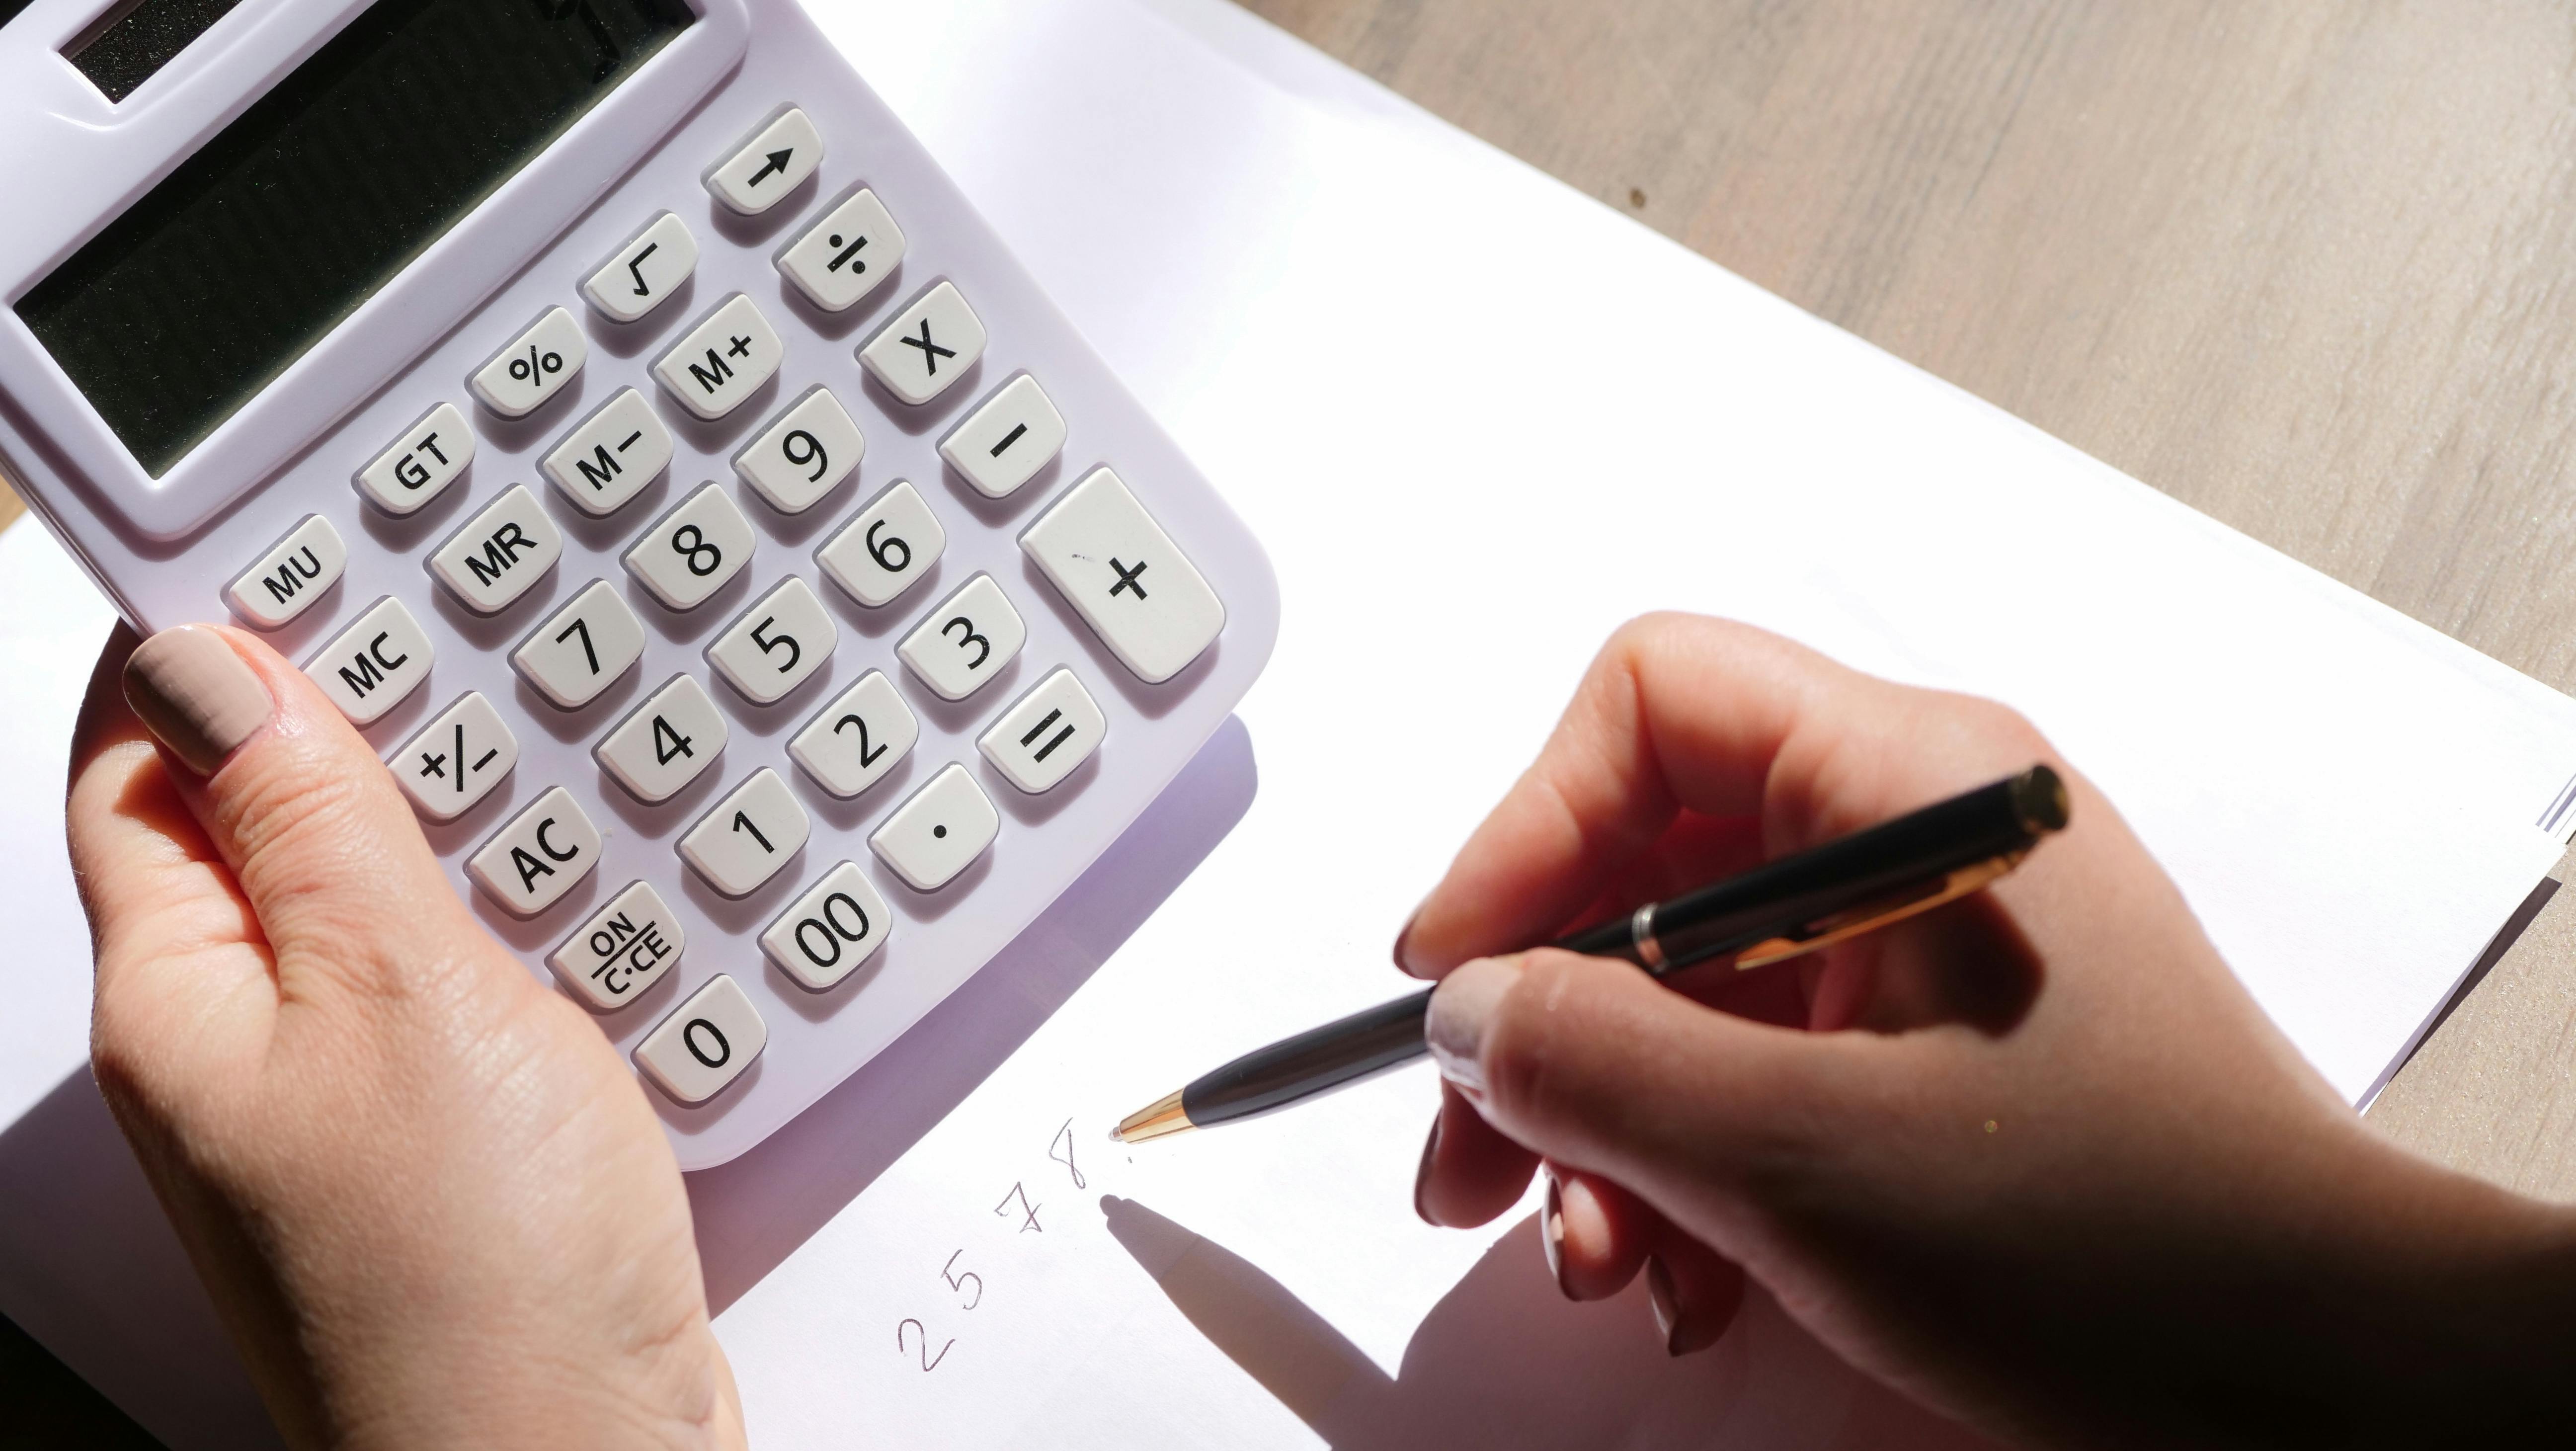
[[765, 598]]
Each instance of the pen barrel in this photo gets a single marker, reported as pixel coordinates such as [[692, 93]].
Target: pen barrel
[[1316, 1061]]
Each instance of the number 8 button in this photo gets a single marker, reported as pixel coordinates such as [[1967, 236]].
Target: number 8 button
[[694, 550]]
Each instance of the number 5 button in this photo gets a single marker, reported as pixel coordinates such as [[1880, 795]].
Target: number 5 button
[[749, 836], [777, 645], [966, 641]]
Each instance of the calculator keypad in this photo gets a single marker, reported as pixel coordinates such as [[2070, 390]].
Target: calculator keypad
[[741, 827]]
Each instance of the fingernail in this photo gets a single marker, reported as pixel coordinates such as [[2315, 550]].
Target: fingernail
[[1402, 937], [1460, 1007], [1659, 1293], [195, 695], [1422, 1175], [1551, 1234]]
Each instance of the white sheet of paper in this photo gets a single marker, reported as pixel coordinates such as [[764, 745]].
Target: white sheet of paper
[[1478, 419]]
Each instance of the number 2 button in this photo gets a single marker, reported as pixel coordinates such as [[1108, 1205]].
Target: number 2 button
[[966, 641]]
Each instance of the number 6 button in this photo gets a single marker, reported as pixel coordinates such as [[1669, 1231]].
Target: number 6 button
[[887, 546], [777, 645], [749, 836], [966, 641]]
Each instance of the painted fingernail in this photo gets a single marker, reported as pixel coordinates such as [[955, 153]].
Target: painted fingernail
[[195, 695], [1659, 1293], [1422, 1176], [1551, 1234], [1402, 937], [1460, 1007]]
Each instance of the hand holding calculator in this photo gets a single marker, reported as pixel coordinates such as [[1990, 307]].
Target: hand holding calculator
[[765, 599]]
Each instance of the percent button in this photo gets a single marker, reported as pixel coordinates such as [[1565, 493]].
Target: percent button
[[535, 366]]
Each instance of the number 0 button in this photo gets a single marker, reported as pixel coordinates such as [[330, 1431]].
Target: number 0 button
[[966, 641], [749, 836], [936, 834], [705, 1044]]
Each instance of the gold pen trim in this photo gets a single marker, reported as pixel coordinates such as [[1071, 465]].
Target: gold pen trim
[[1155, 1120], [1873, 915]]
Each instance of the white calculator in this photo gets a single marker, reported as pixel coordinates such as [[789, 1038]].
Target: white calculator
[[767, 601]]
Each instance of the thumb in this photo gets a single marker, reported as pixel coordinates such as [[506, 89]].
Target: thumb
[[290, 797], [1595, 1065]]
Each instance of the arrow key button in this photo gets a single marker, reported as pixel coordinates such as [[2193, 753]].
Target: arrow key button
[[772, 162]]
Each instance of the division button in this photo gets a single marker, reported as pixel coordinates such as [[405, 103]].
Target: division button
[[749, 835], [966, 640], [623, 949], [664, 743], [852, 743], [1007, 439], [535, 366], [777, 645], [1041, 740], [1133, 586], [843, 257], [610, 456], [885, 547], [543, 853], [420, 464], [500, 552], [644, 272], [694, 550], [775, 160], [582, 649], [722, 361], [372, 666], [803, 454], [838, 924], [928, 346], [456, 759], [705, 1044], [939, 832], [286, 580]]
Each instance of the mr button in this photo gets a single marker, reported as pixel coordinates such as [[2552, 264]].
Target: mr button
[[543, 853], [622, 950]]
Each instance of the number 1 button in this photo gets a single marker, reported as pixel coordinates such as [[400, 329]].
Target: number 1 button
[[749, 836]]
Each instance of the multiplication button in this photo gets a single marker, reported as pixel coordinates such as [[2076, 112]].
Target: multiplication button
[[536, 365], [722, 361], [939, 832], [623, 949], [456, 759], [375, 664], [543, 853], [1135, 588], [291, 575], [928, 346]]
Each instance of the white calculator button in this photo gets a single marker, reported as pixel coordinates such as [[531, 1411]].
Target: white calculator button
[[830, 930], [692, 551], [1039, 742], [942, 829], [804, 454], [456, 759], [418, 466], [543, 853], [722, 361], [777, 645], [375, 664], [763, 170], [534, 367], [852, 743], [500, 552], [885, 547], [843, 257], [928, 346], [610, 456], [287, 579], [1140, 594], [664, 743], [1008, 439], [705, 1044], [644, 271], [583, 648], [748, 836], [966, 640], [623, 949]]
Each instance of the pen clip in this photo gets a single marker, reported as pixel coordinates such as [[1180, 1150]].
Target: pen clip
[[1869, 916]]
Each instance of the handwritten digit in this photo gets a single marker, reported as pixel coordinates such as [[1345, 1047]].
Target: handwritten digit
[[929, 1362]]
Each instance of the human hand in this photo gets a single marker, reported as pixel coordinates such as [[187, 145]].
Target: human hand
[[2034, 1158], [432, 1205]]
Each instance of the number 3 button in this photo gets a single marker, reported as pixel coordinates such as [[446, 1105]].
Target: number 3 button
[[777, 644], [966, 641]]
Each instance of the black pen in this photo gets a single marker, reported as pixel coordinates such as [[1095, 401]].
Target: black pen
[[1777, 910]]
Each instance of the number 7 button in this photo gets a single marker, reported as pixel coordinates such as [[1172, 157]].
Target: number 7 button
[[1135, 588]]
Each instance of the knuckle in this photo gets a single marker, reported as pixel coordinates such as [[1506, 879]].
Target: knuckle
[[1533, 1028]]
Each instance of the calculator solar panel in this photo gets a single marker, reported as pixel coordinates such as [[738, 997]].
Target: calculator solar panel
[[765, 599]]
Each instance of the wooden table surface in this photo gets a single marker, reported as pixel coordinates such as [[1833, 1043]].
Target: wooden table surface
[[2309, 267]]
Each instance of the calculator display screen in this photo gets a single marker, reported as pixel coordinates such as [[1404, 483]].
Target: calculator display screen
[[222, 275]]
